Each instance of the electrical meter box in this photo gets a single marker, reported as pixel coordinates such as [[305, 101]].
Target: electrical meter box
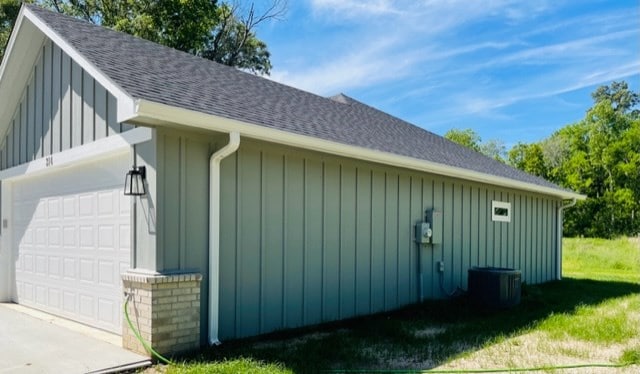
[[423, 232], [434, 217]]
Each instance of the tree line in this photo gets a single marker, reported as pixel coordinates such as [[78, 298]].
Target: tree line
[[598, 156], [224, 32]]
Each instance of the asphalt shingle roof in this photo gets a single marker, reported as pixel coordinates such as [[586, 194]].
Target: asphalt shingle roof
[[149, 71]]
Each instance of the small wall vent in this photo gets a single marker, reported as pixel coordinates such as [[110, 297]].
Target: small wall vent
[[494, 287]]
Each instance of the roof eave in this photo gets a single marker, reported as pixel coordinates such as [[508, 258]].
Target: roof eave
[[153, 113]]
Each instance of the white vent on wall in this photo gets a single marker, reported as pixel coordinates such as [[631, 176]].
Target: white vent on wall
[[500, 211]]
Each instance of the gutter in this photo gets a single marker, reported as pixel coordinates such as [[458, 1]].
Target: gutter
[[214, 233], [559, 244], [157, 114]]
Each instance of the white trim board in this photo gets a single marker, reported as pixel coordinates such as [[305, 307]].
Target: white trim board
[[87, 152]]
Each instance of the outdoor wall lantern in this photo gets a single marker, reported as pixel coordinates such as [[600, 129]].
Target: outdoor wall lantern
[[134, 181]]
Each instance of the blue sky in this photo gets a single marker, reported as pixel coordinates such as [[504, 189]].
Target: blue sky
[[510, 70]]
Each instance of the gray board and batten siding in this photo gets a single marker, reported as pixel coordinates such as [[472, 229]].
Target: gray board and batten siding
[[308, 238], [172, 220], [61, 107]]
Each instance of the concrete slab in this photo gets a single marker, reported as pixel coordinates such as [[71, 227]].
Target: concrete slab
[[36, 342]]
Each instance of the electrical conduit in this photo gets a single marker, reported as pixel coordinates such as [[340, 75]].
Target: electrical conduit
[[214, 233]]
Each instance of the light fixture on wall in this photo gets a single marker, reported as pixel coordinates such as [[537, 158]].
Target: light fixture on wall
[[134, 181]]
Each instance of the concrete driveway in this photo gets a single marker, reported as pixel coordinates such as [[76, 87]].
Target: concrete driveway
[[35, 342]]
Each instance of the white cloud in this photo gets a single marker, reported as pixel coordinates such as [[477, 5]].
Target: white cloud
[[572, 49], [416, 47], [361, 67], [380, 61], [356, 8], [556, 83], [386, 40]]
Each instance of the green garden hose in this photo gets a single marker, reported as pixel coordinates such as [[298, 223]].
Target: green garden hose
[[137, 334]]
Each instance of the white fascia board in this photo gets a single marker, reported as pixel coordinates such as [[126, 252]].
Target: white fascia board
[[157, 113], [125, 102], [11, 43], [85, 153], [23, 48]]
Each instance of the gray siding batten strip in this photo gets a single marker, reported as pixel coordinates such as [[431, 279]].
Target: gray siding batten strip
[[22, 128], [56, 76], [65, 103]]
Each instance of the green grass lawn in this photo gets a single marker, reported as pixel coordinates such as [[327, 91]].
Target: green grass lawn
[[601, 259], [591, 316]]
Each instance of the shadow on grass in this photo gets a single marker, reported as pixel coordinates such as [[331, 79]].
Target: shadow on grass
[[420, 336]]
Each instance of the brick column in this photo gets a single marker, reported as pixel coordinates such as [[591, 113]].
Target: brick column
[[165, 309]]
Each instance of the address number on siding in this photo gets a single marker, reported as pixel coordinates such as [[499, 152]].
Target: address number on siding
[[49, 161]]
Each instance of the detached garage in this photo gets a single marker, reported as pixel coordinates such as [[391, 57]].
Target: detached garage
[[253, 206]]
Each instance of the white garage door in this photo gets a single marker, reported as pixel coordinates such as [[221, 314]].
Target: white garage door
[[71, 242]]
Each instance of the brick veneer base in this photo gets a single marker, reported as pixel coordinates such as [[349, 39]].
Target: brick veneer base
[[165, 309]]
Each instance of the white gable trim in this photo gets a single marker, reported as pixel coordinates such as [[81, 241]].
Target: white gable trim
[[157, 114], [24, 47], [11, 43], [125, 102], [20, 55]]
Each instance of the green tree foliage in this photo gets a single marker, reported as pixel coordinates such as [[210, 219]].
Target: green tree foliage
[[493, 148], [466, 137], [8, 13], [621, 98], [598, 156], [528, 157], [219, 31]]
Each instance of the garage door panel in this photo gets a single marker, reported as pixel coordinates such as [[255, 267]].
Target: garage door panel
[[106, 310], [72, 241], [69, 236], [54, 298], [41, 265], [70, 268], [105, 237], [41, 236], [41, 295], [69, 302], [69, 209], [87, 309], [54, 267], [106, 272], [85, 203], [124, 231], [53, 209], [86, 270]]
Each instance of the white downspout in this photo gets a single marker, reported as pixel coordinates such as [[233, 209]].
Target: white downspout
[[214, 233], [559, 244]]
